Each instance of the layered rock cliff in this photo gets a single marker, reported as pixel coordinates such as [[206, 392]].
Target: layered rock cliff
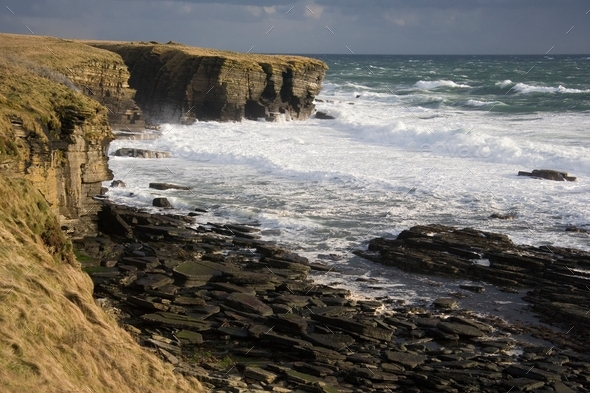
[[50, 133], [179, 83]]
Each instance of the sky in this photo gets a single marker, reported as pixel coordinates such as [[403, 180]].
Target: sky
[[318, 26]]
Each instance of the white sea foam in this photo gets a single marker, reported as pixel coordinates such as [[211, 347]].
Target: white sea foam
[[386, 163], [429, 85], [524, 88], [478, 103], [504, 83]]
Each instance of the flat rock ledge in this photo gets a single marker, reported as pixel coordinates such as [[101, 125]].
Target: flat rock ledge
[[548, 174], [141, 153], [557, 277], [241, 315]]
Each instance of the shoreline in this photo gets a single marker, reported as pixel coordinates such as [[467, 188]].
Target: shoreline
[[235, 290]]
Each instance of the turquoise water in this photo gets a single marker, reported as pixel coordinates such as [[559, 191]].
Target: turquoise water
[[511, 84], [414, 140]]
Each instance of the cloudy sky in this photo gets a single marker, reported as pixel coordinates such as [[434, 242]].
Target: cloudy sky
[[318, 26]]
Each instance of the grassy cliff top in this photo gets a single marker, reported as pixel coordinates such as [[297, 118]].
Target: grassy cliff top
[[53, 337], [35, 86], [248, 58]]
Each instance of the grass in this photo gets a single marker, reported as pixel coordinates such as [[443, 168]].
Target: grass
[[36, 89], [53, 337], [230, 58]]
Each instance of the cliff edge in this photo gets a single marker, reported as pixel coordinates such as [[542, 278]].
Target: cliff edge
[[176, 83], [53, 337]]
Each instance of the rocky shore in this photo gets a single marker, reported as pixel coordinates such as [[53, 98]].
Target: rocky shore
[[242, 315]]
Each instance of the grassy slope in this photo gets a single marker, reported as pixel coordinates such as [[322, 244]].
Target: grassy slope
[[33, 84], [53, 338]]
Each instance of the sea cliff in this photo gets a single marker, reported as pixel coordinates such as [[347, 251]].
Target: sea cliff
[[59, 100], [177, 82]]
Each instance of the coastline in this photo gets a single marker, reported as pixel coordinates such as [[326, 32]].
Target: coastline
[[217, 301], [261, 323]]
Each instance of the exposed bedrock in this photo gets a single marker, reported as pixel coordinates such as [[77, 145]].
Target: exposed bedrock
[[557, 277], [177, 83]]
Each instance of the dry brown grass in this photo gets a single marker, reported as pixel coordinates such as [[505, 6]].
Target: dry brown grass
[[34, 86], [230, 56], [53, 337]]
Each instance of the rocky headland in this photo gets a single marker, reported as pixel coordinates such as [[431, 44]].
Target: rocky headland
[[59, 100], [178, 83], [179, 304]]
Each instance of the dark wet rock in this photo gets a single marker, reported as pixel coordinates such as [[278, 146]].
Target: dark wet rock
[[168, 186], [473, 288], [548, 174], [284, 341], [161, 202], [507, 216], [258, 374], [153, 281], [335, 341], [576, 229], [405, 359], [323, 116], [460, 329], [315, 337], [176, 320], [355, 327], [446, 303], [522, 371], [198, 272], [118, 184], [233, 331], [478, 325], [248, 303], [141, 153], [494, 258]]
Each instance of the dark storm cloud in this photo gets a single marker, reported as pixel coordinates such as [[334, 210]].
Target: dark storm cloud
[[368, 26]]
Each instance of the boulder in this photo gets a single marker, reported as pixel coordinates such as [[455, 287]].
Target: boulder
[[548, 174], [323, 116], [407, 360], [161, 202], [118, 184], [460, 329], [446, 303], [248, 303]]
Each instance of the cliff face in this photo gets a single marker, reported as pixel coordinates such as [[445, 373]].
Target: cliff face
[[179, 83], [50, 133], [56, 137]]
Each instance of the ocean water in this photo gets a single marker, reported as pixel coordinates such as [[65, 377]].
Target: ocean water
[[415, 140]]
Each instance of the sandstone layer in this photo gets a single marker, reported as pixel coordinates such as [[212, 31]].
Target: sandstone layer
[[50, 133], [180, 83]]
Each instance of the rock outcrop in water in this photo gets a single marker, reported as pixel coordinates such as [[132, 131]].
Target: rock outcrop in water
[[558, 277], [176, 83], [548, 174]]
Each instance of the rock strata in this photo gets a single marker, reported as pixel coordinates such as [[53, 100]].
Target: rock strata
[[241, 314], [557, 278], [178, 83]]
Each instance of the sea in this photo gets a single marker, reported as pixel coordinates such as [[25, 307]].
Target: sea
[[414, 140]]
